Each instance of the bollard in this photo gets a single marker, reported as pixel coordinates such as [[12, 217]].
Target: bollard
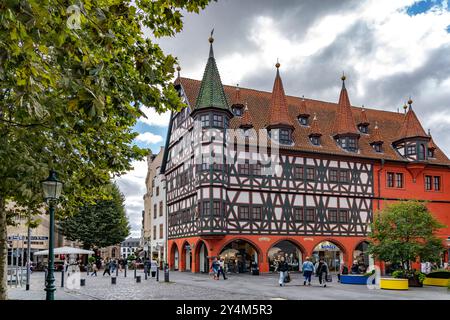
[[113, 280], [138, 279], [145, 272], [157, 273], [125, 273], [135, 272], [117, 271], [82, 282], [62, 278], [166, 273]]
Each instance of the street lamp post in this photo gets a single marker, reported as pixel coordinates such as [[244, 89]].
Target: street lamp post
[[52, 190]]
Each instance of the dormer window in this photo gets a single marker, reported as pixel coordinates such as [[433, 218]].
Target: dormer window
[[421, 152], [238, 111], [411, 150], [348, 143], [285, 136], [217, 121], [377, 147], [205, 120], [303, 120], [315, 140], [363, 128], [430, 153]]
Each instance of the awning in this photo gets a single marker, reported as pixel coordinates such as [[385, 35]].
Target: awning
[[64, 250]]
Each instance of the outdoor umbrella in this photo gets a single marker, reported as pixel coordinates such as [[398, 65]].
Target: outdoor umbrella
[[64, 250]]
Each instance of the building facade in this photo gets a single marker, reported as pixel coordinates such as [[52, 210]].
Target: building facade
[[129, 247], [253, 176]]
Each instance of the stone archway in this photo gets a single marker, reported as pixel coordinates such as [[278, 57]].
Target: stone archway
[[290, 249], [363, 260], [174, 257], [186, 257], [332, 251], [202, 262], [239, 255]]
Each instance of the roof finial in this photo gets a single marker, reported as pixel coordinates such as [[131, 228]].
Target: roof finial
[[410, 102], [429, 132], [211, 40], [343, 79], [405, 107], [303, 97], [178, 69], [277, 65]]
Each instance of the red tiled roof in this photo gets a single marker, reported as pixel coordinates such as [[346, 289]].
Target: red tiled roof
[[411, 126], [259, 103], [237, 97], [278, 112], [344, 122]]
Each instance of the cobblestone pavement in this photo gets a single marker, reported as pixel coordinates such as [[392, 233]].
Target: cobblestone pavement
[[188, 286]]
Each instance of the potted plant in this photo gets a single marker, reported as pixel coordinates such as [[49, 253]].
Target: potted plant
[[415, 278]]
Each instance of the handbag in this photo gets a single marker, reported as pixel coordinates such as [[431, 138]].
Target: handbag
[[328, 278]]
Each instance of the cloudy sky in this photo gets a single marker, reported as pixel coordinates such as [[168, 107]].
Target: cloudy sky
[[389, 50]]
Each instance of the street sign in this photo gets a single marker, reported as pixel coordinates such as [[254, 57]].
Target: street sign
[[19, 237]]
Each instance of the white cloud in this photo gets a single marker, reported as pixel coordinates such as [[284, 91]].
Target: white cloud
[[154, 118], [132, 185], [149, 138]]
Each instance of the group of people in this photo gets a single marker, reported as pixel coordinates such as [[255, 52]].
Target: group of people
[[110, 266], [218, 268], [320, 269]]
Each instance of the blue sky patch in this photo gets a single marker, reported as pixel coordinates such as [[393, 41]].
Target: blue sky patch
[[141, 127], [422, 6], [448, 28]]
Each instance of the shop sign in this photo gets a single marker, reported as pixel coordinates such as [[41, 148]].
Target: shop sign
[[328, 247]]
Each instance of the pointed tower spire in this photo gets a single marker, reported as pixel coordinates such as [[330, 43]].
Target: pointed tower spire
[[376, 135], [411, 126], [315, 129], [278, 113], [247, 120], [211, 94], [303, 112], [364, 121], [344, 122]]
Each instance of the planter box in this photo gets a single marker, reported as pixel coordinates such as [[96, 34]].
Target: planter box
[[355, 279], [436, 282], [394, 284]]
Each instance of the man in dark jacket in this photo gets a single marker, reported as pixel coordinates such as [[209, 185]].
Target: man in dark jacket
[[322, 272], [283, 268]]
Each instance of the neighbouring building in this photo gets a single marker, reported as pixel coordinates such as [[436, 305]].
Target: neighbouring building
[[155, 208], [327, 168], [129, 246], [111, 252]]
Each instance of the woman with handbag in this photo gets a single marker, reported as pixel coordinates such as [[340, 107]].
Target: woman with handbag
[[283, 267]]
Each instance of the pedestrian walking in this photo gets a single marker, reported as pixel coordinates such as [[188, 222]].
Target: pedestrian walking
[[94, 269], [322, 272], [107, 267], [308, 269], [283, 269], [113, 265], [215, 269], [221, 269]]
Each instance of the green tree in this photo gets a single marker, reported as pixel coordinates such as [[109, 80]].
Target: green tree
[[72, 82], [404, 231], [101, 224]]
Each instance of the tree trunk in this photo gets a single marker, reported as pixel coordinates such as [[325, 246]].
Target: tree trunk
[[3, 251]]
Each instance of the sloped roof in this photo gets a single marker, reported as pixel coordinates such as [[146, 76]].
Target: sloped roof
[[344, 122], [259, 103], [411, 127], [278, 107]]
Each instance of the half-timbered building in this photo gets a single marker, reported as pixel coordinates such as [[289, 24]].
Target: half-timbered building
[[313, 191]]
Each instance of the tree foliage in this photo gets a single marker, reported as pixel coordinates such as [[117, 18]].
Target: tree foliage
[[74, 76], [404, 231], [101, 224]]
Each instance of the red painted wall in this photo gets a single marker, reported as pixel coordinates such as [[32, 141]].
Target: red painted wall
[[415, 189]]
